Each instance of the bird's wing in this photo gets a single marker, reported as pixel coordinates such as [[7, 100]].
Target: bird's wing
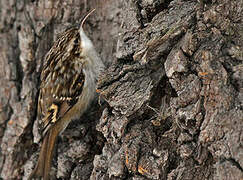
[[62, 80]]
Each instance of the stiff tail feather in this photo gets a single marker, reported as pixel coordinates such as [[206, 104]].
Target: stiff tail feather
[[43, 167]]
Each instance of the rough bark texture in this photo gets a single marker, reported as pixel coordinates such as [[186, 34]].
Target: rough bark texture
[[171, 97]]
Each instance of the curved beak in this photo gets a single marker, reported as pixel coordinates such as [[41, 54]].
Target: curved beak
[[84, 19]]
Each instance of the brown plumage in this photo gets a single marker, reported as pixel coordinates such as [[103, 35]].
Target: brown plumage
[[68, 80], [62, 78]]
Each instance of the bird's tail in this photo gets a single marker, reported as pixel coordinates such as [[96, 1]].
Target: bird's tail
[[43, 167]]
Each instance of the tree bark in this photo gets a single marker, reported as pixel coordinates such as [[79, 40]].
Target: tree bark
[[170, 98]]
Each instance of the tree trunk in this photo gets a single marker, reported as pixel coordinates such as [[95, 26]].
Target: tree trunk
[[170, 99]]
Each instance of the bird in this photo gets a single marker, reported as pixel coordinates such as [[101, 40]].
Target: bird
[[67, 87]]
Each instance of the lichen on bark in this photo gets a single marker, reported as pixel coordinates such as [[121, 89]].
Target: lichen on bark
[[170, 100]]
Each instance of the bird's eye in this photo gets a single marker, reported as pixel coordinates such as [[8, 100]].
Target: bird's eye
[[76, 41]]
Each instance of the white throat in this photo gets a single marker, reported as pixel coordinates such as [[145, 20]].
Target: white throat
[[93, 62]]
